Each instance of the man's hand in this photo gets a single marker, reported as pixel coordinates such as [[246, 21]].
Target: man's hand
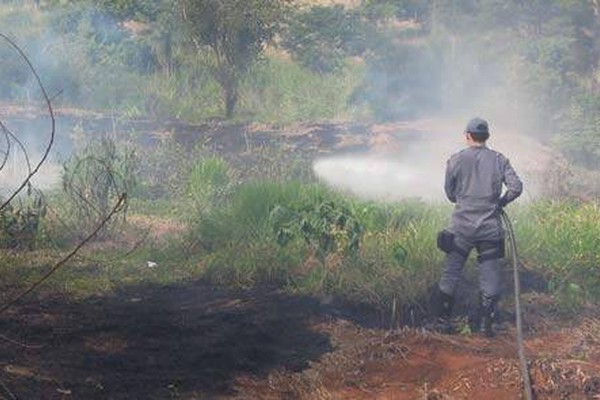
[[502, 202]]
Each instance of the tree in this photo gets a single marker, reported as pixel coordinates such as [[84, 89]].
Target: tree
[[236, 31]]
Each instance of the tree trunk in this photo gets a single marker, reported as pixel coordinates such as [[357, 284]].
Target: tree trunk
[[230, 92]]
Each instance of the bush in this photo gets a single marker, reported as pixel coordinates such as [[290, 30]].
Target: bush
[[93, 180]]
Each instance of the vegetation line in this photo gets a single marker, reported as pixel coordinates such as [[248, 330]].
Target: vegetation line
[[120, 204]]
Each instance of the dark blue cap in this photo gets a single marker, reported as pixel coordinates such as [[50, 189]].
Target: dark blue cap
[[478, 126]]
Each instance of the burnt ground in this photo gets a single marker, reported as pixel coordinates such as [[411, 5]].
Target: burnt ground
[[195, 341], [157, 342]]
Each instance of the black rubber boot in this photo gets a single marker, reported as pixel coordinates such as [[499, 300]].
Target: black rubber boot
[[443, 311], [446, 305], [488, 314]]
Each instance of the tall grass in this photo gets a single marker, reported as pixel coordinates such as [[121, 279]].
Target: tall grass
[[561, 240], [397, 259]]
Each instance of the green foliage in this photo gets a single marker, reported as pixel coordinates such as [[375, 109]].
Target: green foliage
[[325, 227], [532, 59], [132, 9]]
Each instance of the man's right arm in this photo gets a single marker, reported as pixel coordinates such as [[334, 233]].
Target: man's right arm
[[514, 186]]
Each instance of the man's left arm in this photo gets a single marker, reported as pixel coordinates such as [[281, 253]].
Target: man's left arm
[[450, 181]]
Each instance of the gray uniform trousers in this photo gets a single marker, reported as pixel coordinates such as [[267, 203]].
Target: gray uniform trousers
[[490, 267]]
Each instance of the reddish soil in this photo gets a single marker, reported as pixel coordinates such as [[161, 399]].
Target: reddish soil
[[198, 342]]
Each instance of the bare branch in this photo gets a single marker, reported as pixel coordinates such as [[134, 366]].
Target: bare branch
[[6, 136], [51, 113], [10, 134]]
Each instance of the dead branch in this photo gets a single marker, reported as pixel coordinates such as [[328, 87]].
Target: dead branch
[[7, 391]]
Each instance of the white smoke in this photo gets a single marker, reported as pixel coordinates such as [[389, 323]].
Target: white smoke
[[414, 166]]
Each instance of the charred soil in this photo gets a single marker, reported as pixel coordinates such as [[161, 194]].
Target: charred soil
[[197, 342]]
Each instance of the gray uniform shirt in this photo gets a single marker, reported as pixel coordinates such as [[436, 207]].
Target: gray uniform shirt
[[474, 179]]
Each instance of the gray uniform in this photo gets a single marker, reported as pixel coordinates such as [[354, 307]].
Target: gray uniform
[[474, 180]]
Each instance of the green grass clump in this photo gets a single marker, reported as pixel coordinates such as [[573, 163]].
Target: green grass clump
[[314, 240]]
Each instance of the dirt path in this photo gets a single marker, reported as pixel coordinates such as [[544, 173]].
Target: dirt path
[[197, 342]]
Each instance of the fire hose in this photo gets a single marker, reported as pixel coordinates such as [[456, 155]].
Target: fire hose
[[528, 391]]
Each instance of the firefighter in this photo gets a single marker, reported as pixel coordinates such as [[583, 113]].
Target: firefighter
[[474, 182]]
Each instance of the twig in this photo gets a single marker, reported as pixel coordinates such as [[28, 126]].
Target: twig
[[20, 344], [10, 394], [120, 204], [56, 95], [21, 145]]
